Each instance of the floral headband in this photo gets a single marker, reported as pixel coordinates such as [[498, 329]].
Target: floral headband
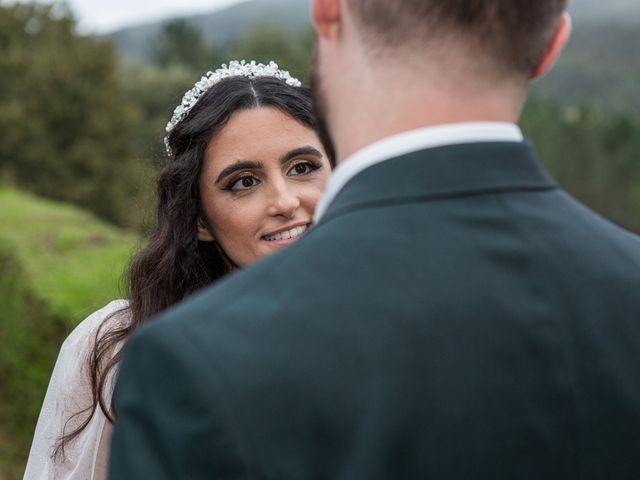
[[234, 69]]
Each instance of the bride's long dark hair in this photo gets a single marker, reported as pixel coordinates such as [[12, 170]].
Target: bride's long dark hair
[[174, 264]]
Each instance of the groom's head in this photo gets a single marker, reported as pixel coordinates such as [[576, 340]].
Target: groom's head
[[510, 35], [462, 46]]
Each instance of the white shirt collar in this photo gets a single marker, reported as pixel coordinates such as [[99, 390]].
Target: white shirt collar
[[413, 141]]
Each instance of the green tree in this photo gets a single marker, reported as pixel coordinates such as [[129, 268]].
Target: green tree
[[272, 41], [594, 155], [65, 120], [155, 92], [179, 43]]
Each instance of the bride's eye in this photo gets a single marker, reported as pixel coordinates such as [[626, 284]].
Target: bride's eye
[[303, 168], [245, 182]]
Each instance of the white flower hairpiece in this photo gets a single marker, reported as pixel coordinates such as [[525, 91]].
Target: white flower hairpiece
[[234, 69]]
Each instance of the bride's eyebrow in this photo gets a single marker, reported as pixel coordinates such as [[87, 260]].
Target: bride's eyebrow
[[296, 152], [242, 165]]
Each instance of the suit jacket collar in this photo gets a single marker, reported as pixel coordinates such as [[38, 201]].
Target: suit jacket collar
[[413, 141], [437, 173]]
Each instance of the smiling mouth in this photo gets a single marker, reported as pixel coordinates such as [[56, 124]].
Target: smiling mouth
[[293, 233]]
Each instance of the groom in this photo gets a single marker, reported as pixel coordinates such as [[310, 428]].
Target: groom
[[453, 315]]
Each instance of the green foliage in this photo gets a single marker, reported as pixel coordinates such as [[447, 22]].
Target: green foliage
[[601, 67], [64, 118], [58, 265], [179, 43], [155, 92], [593, 155], [267, 41]]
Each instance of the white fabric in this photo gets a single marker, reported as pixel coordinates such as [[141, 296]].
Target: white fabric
[[413, 141], [68, 393]]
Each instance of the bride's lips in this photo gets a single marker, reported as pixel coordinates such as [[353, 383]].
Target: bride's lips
[[286, 235]]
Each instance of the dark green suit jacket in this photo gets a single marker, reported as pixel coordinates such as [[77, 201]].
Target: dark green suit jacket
[[455, 315]]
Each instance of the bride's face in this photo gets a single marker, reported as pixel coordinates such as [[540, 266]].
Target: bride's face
[[262, 177]]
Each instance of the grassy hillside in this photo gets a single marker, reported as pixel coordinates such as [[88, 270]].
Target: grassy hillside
[[58, 263]]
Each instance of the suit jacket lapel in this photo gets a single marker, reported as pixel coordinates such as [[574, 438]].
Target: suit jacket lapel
[[433, 174]]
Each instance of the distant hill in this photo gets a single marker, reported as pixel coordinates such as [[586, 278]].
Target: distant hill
[[601, 66], [219, 27], [603, 11], [225, 25]]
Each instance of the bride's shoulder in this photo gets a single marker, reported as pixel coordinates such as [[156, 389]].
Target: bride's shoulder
[[112, 315], [68, 393]]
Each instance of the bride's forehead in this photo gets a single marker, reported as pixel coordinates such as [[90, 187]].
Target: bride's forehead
[[255, 119], [260, 131]]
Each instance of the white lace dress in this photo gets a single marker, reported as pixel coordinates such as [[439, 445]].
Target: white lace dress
[[69, 392]]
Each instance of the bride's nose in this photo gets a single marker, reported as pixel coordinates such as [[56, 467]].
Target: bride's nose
[[283, 199]]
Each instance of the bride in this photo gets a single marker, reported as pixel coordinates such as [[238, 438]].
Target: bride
[[244, 171]]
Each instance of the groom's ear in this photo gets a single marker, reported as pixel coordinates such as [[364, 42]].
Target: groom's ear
[[554, 48], [326, 16]]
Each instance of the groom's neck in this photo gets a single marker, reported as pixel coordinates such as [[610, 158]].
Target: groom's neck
[[379, 101]]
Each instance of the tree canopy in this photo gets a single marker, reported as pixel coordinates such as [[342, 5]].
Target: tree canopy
[[65, 119]]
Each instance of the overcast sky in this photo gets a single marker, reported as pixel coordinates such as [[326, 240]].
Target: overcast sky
[[99, 16]]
